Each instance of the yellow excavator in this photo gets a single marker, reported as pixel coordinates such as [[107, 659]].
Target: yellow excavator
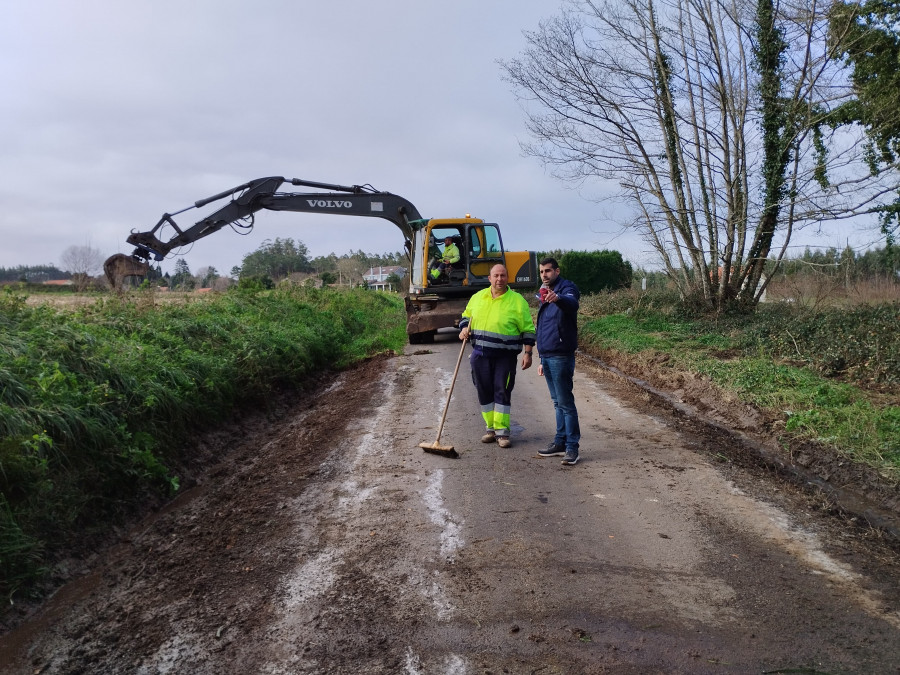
[[435, 299]]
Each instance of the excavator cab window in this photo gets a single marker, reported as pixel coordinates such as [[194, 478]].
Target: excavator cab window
[[439, 237], [437, 244], [485, 250]]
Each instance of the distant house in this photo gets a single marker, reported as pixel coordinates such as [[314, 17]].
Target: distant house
[[59, 282], [376, 277]]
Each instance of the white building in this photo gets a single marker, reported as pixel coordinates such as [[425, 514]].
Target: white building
[[376, 277]]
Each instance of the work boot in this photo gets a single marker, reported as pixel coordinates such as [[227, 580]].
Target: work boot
[[489, 437], [503, 441]]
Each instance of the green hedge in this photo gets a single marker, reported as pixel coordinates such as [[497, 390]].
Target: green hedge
[[860, 343], [95, 402]]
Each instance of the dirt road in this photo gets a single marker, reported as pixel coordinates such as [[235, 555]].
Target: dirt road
[[328, 542]]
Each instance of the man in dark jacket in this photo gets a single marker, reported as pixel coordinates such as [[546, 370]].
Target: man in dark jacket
[[557, 340]]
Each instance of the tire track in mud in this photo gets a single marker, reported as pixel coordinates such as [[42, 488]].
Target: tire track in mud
[[375, 559], [358, 551]]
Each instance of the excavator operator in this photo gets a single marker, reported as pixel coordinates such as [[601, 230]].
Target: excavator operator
[[448, 258]]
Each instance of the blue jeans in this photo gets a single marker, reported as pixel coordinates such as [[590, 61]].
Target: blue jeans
[[558, 372]]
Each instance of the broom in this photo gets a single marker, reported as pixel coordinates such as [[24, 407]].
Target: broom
[[436, 448]]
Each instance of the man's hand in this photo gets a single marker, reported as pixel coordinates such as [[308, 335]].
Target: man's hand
[[526, 360], [464, 334]]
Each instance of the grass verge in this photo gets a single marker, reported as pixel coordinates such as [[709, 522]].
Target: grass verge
[[831, 376], [97, 401]]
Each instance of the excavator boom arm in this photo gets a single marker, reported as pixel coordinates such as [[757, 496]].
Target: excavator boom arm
[[262, 193]]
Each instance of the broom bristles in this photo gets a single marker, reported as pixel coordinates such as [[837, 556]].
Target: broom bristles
[[443, 450]]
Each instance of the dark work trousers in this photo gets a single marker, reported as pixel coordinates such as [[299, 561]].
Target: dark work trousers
[[494, 378]]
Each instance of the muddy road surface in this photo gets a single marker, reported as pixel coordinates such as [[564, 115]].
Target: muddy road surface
[[329, 542]]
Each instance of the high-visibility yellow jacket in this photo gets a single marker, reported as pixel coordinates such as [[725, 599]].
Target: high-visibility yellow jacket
[[498, 326], [451, 254]]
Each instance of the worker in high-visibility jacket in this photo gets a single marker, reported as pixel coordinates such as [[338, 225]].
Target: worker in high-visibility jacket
[[449, 257], [499, 323]]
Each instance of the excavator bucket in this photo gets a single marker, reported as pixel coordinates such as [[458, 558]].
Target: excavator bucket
[[120, 266]]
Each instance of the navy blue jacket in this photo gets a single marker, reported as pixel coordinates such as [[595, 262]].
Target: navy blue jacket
[[557, 322]]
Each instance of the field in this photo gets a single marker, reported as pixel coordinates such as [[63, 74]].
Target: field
[[322, 539]]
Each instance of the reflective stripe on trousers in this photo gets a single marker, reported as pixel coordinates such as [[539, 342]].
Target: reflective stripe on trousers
[[494, 379]]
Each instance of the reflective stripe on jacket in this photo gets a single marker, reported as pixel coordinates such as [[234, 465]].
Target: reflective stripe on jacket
[[498, 326]]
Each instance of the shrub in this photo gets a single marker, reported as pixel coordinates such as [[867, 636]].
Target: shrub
[[595, 271], [656, 300], [859, 343]]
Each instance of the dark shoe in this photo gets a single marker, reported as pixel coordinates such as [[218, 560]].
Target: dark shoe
[[489, 437], [552, 450], [503, 441], [571, 459]]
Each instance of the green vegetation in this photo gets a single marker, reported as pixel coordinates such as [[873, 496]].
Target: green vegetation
[[865, 36], [281, 258], [96, 403], [593, 271], [831, 374], [32, 273], [277, 259]]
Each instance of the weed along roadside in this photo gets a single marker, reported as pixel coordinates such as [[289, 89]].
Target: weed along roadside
[[98, 400]]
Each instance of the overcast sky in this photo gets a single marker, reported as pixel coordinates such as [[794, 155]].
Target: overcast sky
[[114, 113]]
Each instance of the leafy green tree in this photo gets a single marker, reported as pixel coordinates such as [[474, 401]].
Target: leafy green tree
[[35, 273], [208, 277], [254, 284], [182, 277], [328, 278], [866, 35], [595, 271], [881, 262], [326, 263], [277, 259]]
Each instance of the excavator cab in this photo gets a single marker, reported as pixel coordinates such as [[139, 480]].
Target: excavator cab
[[480, 248]]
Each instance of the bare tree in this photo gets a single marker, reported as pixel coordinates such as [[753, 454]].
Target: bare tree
[[207, 276], [83, 262], [713, 118], [350, 270]]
